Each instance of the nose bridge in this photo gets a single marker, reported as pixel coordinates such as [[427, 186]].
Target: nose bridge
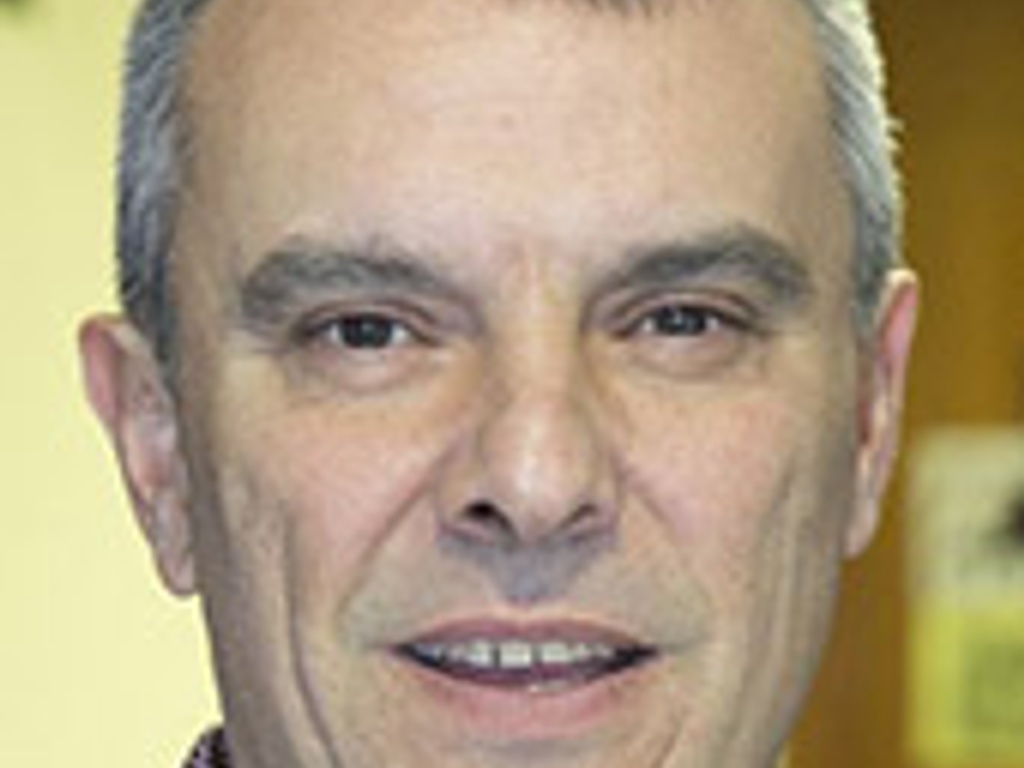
[[539, 448]]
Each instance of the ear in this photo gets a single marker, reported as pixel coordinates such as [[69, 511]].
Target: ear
[[129, 394], [882, 385]]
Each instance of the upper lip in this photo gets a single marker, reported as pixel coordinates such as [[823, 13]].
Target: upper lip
[[500, 630]]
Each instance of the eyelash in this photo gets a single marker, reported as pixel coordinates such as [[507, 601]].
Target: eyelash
[[710, 318], [340, 329], [693, 319]]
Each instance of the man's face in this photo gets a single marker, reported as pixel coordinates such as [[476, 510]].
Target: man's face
[[521, 417]]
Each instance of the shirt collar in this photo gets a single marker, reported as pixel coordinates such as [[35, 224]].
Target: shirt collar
[[211, 751]]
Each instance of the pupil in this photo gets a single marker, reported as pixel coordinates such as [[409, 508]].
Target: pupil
[[680, 321], [367, 332]]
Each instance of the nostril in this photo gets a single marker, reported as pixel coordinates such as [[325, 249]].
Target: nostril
[[484, 517], [583, 522], [484, 521], [481, 512]]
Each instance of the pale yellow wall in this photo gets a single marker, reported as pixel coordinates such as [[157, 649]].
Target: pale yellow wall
[[97, 666]]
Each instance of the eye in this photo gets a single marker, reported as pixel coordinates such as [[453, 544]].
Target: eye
[[685, 320], [691, 337], [358, 332], [367, 348]]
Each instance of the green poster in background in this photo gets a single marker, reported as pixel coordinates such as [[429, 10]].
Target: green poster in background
[[967, 597]]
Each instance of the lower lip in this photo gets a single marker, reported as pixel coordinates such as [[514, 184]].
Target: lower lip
[[523, 714]]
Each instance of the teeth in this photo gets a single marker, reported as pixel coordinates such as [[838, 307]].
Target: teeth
[[475, 654], [480, 654], [515, 655], [431, 651], [556, 654]]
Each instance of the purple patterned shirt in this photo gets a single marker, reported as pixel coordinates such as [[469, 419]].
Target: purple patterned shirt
[[210, 752]]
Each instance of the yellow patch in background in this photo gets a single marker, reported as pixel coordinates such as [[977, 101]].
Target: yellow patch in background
[[99, 667], [967, 598]]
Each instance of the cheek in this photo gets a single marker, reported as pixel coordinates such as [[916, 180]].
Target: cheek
[[738, 483], [752, 494], [710, 469], [335, 483]]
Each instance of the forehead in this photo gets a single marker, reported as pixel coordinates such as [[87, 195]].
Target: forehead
[[547, 119]]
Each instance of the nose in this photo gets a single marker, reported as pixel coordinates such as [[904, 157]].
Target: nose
[[535, 467]]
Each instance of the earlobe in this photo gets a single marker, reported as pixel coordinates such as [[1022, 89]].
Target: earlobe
[[881, 405], [129, 395]]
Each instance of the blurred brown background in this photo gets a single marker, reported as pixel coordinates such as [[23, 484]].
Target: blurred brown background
[[957, 81]]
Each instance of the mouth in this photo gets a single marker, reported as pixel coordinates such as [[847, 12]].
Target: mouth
[[535, 659]]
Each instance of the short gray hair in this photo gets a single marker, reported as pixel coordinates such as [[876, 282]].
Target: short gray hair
[[150, 164], [154, 135], [864, 132]]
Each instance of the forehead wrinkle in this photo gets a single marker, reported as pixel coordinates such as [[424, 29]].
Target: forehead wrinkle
[[301, 269], [739, 252]]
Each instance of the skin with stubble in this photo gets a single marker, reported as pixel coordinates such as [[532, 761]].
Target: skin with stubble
[[521, 418]]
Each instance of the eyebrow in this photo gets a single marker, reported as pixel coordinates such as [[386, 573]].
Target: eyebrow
[[738, 253], [300, 269]]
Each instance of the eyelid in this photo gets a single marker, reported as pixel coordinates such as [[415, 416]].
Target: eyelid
[[647, 323], [318, 331], [308, 326], [733, 311]]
